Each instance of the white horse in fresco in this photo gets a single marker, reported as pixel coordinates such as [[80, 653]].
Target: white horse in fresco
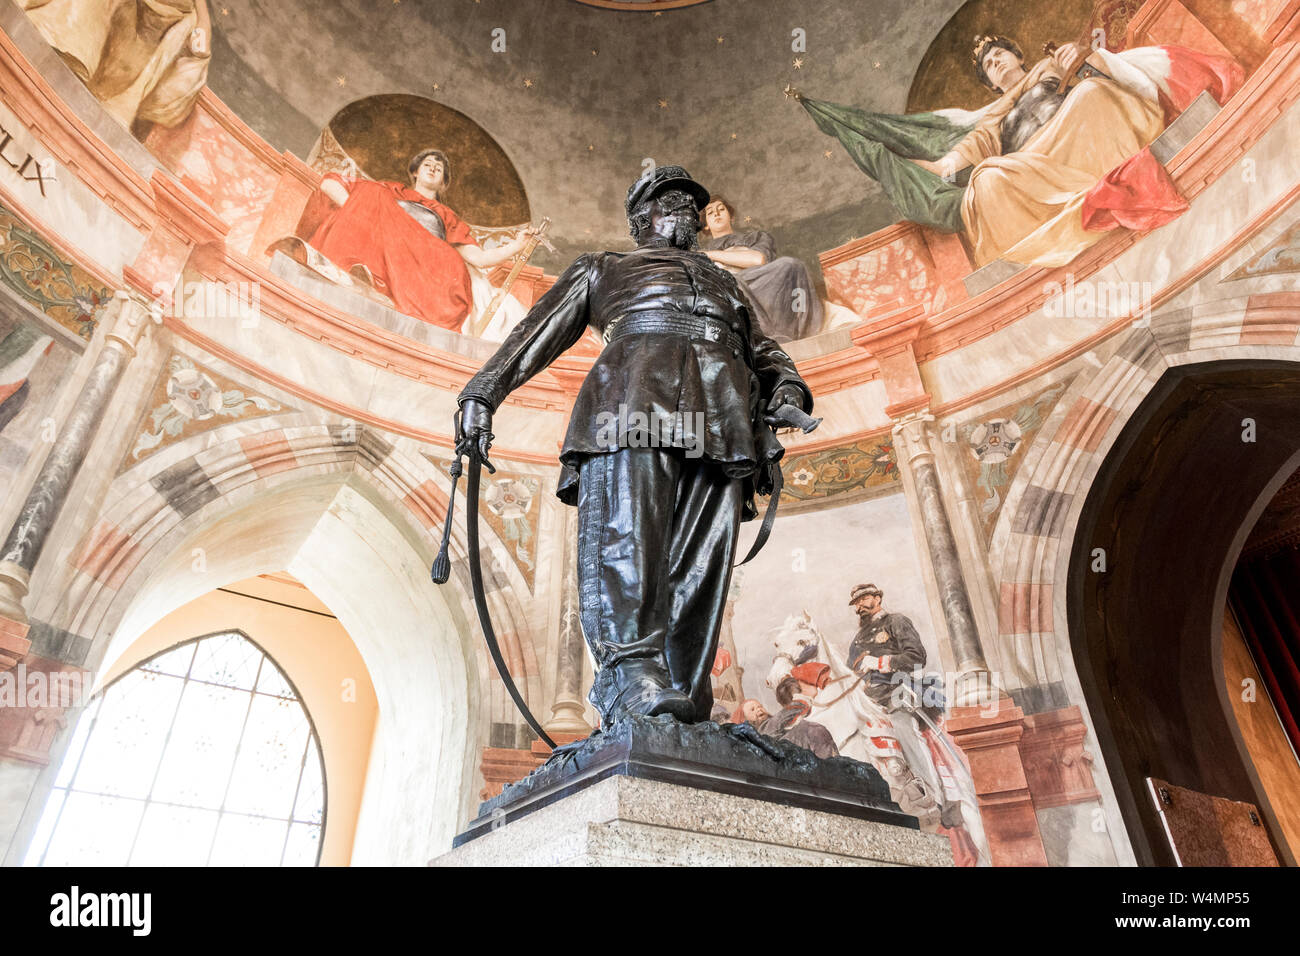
[[862, 730]]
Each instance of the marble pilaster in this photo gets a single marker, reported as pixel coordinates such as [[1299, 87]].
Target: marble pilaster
[[129, 318], [912, 443], [568, 708]]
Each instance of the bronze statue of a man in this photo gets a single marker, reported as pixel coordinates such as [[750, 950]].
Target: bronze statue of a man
[[666, 445]]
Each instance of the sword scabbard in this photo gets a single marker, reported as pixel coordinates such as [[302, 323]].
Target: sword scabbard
[[480, 597]]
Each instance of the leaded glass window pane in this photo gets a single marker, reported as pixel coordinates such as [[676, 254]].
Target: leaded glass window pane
[[228, 659], [266, 775], [201, 755], [303, 846], [129, 735], [249, 841]]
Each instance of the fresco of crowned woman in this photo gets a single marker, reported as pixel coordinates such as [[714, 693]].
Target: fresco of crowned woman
[[1059, 158]]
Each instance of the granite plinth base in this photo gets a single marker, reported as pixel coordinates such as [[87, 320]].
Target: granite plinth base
[[632, 821], [711, 760]]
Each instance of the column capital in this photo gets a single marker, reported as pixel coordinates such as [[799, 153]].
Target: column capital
[[131, 315], [912, 435]]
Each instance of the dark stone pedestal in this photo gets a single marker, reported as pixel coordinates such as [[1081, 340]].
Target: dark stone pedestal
[[704, 756]]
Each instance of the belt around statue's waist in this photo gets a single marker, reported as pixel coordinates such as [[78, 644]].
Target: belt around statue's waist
[[661, 322]]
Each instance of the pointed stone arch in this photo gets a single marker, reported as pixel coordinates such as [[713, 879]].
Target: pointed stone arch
[[291, 496], [1033, 541], [1042, 506]]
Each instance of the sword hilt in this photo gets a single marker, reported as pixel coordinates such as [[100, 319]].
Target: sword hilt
[[468, 445]]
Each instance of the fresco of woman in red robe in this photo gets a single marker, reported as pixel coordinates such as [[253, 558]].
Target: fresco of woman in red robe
[[414, 247]]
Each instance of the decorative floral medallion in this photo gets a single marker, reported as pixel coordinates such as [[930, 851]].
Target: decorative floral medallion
[[509, 505], [996, 440], [996, 448], [189, 399]]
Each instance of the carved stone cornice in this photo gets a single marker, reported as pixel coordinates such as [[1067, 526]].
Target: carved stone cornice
[[1285, 27], [891, 334], [188, 214], [70, 140]]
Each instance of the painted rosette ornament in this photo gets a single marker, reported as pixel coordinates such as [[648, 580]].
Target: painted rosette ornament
[[993, 443], [193, 396], [509, 499], [996, 440]]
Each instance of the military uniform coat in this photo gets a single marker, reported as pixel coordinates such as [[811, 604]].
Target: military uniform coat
[[659, 375]]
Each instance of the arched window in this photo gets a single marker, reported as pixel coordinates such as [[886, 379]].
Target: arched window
[[201, 755]]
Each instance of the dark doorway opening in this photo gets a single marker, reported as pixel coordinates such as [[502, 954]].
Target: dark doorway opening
[[1169, 512]]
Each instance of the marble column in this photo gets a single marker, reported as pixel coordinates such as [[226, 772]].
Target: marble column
[[569, 707], [983, 721], [130, 316], [912, 443]]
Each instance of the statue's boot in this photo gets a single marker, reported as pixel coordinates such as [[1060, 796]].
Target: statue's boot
[[642, 688]]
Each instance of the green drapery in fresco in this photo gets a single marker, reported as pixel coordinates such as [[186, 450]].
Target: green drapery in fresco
[[883, 144]]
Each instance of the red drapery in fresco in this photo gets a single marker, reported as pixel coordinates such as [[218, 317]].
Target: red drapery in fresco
[[424, 276], [1266, 597], [1140, 194]]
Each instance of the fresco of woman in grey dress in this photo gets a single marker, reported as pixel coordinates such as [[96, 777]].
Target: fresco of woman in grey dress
[[784, 296]]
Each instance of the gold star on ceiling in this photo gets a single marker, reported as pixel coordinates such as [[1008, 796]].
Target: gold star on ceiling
[[341, 80], [437, 87], [798, 63], [663, 104], [827, 154], [528, 82], [749, 219], [733, 135], [876, 65], [722, 40]]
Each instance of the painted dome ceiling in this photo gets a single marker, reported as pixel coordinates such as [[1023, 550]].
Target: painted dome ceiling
[[578, 93]]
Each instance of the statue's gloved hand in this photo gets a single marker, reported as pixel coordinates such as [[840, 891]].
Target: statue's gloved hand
[[787, 395], [474, 428]]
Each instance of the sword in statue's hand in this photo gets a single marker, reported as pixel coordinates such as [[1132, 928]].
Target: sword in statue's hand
[[792, 416], [537, 238], [473, 425]]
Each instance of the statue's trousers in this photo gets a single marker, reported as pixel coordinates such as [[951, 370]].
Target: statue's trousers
[[657, 537]]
